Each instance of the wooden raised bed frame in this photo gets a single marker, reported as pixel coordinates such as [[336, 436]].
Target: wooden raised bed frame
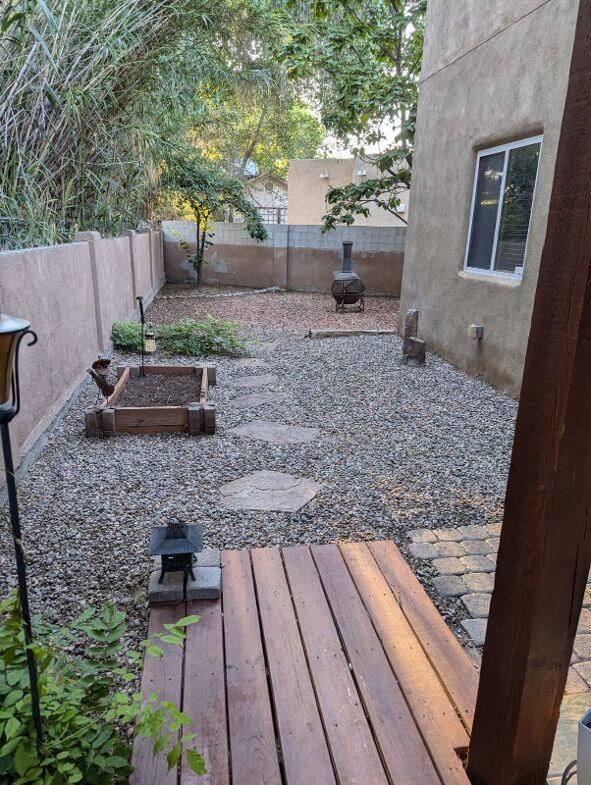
[[192, 418]]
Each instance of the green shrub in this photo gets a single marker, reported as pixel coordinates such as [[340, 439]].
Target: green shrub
[[190, 337], [88, 708]]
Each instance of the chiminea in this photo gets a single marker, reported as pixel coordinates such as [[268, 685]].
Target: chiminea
[[176, 543], [347, 287]]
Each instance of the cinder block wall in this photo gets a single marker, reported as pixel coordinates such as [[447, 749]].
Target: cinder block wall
[[71, 294], [299, 258]]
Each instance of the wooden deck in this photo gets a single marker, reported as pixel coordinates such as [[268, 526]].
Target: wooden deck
[[322, 665]]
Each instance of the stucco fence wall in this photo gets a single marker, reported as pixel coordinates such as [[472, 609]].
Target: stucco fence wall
[[299, 258], [71, 294]]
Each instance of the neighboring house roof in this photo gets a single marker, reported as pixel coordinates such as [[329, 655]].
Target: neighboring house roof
[[269, 176]]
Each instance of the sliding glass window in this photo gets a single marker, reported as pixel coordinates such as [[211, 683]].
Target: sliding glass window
[[502, 201]]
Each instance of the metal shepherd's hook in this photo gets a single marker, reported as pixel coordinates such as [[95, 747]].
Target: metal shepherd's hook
[[143, 323], [17, 329]]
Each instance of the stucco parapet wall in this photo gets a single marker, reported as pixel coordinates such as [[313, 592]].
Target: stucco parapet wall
[[455, 29], [40, 249]]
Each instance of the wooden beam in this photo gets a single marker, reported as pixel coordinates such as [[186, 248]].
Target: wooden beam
[[545, 547]]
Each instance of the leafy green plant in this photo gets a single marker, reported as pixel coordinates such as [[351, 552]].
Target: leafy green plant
[[362, 59], [88, 705], [94, 95], [190, 337]]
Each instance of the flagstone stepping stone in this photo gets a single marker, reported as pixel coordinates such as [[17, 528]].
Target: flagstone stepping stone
[[261, 347], [251, 362], [272, 491], [251, 400], [254, 382], [276, 433]]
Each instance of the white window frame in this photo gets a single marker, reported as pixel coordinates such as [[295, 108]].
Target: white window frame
[[502, 148]]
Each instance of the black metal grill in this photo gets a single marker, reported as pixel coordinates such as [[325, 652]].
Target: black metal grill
[[347, 287]]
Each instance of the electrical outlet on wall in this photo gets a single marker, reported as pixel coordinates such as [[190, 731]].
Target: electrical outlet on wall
[[476, 331]]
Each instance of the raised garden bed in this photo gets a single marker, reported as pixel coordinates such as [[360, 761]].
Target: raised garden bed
[[165, 399]]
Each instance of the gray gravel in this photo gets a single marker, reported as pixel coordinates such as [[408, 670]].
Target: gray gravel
[[400, 448]]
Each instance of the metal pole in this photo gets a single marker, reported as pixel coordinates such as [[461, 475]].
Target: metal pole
[[143, 321], [22, 576]]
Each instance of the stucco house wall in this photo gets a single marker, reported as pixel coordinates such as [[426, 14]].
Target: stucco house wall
[[267, 192], [492, 73], [306, 190]]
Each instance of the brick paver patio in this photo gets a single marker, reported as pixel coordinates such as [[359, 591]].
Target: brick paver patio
[[465, 558]]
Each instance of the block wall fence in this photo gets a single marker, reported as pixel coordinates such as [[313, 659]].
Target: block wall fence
[[299, 258], [71, 294]]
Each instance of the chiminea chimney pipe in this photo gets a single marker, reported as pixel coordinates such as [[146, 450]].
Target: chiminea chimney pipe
[[347, 261]]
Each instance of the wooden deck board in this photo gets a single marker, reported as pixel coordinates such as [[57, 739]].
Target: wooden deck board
[[434, 714], [204, 698], [349, 736], [399, 740], [319, 666], [298, 719], [164, 677], [456, 671], [252, 737]]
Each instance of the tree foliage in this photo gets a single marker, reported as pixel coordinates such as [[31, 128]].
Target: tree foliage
[[268, 128], [95, 95], [361, 59], [209, 191]]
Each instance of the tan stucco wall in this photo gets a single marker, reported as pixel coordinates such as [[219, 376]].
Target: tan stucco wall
[[71, 293], [509, 87], [306, 190]]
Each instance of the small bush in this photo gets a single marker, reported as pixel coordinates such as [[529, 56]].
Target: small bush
[[88, 712], [190, 337]]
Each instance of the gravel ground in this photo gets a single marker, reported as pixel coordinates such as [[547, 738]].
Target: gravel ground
[[400, 448], [288, 311]]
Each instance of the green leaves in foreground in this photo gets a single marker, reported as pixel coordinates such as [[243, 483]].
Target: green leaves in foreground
[[90, 709], [190, 337]]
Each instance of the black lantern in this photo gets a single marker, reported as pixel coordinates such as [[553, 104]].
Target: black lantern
[[12, 332], [175, 544], [150, 340]]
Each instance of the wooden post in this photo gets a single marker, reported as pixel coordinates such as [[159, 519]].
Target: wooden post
[[545, 547]]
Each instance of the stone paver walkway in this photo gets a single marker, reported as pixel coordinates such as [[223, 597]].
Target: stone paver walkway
[[252, 400], [255, 382], [465, 558]]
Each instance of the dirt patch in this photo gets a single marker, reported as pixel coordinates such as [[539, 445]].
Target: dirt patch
[[291, 311], [160, 389]]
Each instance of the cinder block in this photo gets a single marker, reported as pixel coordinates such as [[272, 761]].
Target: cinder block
[[170, 590], [209, 557], [207, 584]]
